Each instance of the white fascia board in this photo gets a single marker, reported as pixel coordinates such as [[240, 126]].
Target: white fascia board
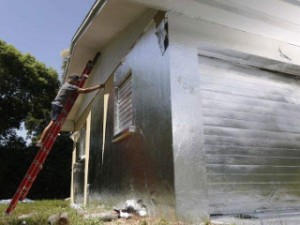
[[248, 16]]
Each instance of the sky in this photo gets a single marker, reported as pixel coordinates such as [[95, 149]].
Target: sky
[[42, 28]]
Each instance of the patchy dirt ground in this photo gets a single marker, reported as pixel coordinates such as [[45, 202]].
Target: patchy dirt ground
[[143, 221], [39, 212]]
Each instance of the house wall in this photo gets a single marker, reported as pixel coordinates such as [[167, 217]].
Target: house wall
[[171, 156], [96, 140], [111, 56], [191, 38], [78, 166], [141, 165]]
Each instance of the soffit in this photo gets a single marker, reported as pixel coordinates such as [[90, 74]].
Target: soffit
[[111, 19], [275, 19]]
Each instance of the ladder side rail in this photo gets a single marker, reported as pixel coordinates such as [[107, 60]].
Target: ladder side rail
[[30, 177], [41, 156], [47, 145]]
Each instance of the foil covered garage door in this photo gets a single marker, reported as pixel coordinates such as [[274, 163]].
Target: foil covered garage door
[[251, 134]]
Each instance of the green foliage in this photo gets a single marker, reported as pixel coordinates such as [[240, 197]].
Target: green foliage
[[53, 180], [163, 222], [35, 213], [38, 213], [26, 90]]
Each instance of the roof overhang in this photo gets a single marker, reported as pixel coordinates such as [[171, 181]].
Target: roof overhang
[[106, 19], [276, 19], [273, 19], [104, 22]]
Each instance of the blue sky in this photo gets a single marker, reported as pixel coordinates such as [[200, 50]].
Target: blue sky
[[42, 28]]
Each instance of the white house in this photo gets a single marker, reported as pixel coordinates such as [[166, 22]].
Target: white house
[[201, 111]]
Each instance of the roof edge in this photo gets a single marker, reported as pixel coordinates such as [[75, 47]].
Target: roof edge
[[95, 10]]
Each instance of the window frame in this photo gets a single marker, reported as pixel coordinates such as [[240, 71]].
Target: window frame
[[126, 130]]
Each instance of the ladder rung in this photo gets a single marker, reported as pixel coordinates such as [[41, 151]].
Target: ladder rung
[[39, 165], [59, 122], [44, 149], [30, 178]]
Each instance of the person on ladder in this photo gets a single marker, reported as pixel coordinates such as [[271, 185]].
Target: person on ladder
[[67, 89]]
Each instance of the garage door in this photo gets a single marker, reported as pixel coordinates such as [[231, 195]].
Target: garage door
[[251, 132]]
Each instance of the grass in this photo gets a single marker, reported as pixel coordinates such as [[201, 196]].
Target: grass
[[38, 212]]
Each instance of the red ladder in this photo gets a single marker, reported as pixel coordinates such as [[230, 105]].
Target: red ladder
[[46, 147]]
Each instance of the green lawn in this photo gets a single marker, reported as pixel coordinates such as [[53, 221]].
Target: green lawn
[[38, 212]]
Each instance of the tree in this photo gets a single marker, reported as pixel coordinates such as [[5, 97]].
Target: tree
[[52, 182], [55, 178], [26, 90]]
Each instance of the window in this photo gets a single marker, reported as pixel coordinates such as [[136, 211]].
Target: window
[[123, 115]]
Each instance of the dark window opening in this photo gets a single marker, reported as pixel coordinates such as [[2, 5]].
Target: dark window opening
[[162, 31]]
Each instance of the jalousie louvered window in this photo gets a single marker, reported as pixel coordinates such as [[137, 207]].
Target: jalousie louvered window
[[123, 117]]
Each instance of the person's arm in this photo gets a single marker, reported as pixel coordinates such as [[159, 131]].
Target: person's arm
[[90, 89]]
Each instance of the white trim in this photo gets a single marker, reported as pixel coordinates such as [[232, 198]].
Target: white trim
[[105, 109], [87, 154], [74, 137]]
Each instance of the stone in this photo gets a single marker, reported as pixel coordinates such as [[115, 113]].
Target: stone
[[103, 216], [58, 219]]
